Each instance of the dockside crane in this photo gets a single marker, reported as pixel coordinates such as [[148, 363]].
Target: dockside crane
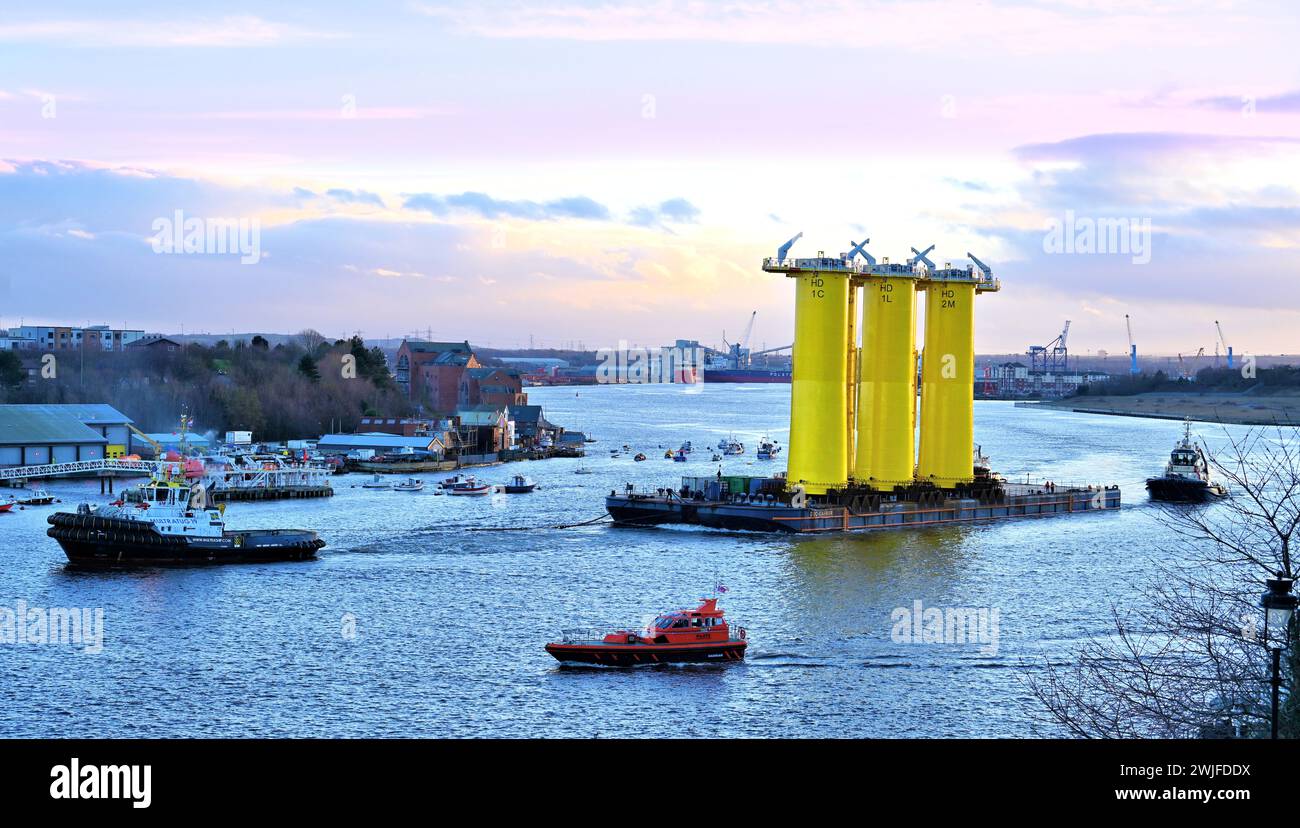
[[738, 352], [1226, 347], [1054, 356], [1132, 349]]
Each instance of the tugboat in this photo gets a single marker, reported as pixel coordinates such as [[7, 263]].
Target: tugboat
[[169, 521], [1187, 475], [520, 485], [689, 635]]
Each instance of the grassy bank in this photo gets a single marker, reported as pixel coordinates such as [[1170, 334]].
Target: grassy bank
[[1280, 408]]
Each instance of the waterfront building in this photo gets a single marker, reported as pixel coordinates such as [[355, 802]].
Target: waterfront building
[[531, 424], [485, 429], [37, 434], [430, 372], [380, 443], [492, 386]]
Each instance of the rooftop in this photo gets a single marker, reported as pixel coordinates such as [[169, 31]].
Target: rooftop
[[51, 424]]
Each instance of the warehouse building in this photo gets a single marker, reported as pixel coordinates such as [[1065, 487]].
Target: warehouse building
[[36, 434], [379, 444]]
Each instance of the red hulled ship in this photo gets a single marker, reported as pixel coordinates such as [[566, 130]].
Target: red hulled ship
[[690, 635]]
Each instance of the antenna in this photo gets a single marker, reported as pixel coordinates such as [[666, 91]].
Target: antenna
[[785, 248], [921, 257]]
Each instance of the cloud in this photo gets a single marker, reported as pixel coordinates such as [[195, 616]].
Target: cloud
[[231, 32], [1285, 102], [481, 204], [672, 211], [354, 197]]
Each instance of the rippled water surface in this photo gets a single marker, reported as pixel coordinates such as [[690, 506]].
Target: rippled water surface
[[450, 621]]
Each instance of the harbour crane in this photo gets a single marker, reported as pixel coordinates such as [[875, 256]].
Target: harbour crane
[[1132, 349], [1226, 347], [1054, 356], [738, 352]]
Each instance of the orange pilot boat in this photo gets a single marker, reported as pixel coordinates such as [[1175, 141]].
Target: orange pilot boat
[[689, 635]]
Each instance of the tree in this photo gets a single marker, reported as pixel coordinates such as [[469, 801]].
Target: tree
[[1190, 658], [307, 367], [260, 342], [12, 373]]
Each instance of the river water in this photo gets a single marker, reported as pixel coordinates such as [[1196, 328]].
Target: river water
[[414, 622]]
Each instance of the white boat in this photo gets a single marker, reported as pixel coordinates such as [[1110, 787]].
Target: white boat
[[377, 482], [768, 450], [582, 470], [34, 497], [411, 485]]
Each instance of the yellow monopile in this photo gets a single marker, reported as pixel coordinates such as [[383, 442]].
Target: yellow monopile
[[887, 384], [819, 405], [948, 383]]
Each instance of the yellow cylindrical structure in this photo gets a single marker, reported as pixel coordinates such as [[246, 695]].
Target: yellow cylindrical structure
[[948, 384], [819, 409], [886, 445]]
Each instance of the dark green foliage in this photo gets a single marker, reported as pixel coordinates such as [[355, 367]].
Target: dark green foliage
[[291, 391], [11, 369]]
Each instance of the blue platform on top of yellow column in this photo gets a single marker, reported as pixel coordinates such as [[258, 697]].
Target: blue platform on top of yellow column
[[852, 414]]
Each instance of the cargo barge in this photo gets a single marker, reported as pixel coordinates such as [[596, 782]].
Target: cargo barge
[[766, 504]]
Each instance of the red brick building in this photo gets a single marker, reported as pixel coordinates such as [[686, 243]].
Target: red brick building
[[430, 372], [492, 386]]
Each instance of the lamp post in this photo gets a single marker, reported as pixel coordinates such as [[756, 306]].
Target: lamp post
[[1279, 604]]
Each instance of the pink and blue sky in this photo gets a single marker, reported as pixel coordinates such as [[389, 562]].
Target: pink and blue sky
[[616, 170]]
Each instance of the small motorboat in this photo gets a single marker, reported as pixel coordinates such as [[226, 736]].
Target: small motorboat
[[668, 455], [413, 484], [377, 482], [689, 635], [582, 470], [519, 485], [639, 457], [470, 486], [686, 447], [680, 456], [1187, 474], [450, 481], [35, 497], [716, 457], [7, 504]]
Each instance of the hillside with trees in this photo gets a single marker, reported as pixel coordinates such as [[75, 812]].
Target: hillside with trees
[[301, 388]]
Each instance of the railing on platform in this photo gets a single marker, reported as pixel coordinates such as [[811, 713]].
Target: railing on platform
[[143, 467]]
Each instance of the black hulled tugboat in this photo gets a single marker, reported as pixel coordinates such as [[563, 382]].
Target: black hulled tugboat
[[166, 522], [690, 635], [1187, 475]]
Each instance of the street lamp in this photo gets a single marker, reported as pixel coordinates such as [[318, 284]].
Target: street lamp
[[1279, 604]]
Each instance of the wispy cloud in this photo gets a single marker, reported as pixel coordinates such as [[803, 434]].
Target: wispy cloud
[[232, 32], [574, 207]]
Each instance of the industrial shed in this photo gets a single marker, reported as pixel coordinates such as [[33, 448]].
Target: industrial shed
[[36, 434]]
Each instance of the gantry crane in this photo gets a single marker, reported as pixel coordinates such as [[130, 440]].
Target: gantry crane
[[1054, 356]]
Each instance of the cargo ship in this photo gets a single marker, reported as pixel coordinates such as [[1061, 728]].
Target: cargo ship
[[858, 457], [746, 375]]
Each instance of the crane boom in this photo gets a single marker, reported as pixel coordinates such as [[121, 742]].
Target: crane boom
[[1223, 341]]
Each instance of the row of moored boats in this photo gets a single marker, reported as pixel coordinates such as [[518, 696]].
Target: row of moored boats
[[462, 485]]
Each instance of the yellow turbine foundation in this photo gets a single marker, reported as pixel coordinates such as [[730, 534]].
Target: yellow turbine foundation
[[820, 381], [886, 443], [947, 384]]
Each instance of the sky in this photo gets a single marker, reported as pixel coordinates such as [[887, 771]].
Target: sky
[[607, 172]]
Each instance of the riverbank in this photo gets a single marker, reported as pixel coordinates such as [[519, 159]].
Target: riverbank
[[1237, 409]]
